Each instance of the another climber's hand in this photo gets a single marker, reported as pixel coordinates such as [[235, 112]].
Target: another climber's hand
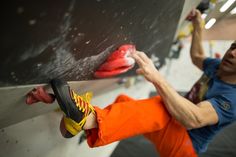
[[146, 66]]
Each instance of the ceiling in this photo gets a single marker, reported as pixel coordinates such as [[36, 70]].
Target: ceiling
[[225, 26]]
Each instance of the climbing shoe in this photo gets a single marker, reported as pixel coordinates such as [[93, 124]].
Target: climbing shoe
[[76, 107]]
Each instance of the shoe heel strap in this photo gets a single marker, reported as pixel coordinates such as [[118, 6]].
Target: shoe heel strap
[[72, 126]]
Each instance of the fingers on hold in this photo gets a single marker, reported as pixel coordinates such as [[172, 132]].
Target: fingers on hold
[[138, 52], [143, 56], [139, 60]]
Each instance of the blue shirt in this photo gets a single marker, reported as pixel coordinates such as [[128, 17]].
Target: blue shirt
[[221, 95]]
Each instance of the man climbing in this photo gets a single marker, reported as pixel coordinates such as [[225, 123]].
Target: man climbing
[[177, 126]]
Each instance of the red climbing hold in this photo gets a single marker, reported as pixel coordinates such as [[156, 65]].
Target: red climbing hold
[[117, 63], [104, 74], [191, 15], [122, 52], [217, 55], [39, 94]]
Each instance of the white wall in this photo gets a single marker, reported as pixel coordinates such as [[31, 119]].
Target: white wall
[[181, 73]]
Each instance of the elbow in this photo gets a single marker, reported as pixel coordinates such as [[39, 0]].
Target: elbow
[[194, 123], [194, 59], [194, 62], [197, 60]]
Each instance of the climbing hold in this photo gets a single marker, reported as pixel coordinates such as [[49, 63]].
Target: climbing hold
[[104, 74], [122, 52], [39, 94], [191, 15], [117, 63], [217, 55]]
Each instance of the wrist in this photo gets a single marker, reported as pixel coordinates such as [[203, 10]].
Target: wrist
[[197, 27], [158, 79], [197, 33]]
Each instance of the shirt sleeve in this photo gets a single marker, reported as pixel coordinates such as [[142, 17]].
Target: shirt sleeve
[[225, 109], [210, 65]]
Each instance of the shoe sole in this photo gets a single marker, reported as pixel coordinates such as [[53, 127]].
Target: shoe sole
[[62, 93]]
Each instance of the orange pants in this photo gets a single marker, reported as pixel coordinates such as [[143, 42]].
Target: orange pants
[[127, 117]]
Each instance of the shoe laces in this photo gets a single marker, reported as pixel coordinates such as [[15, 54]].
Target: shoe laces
[[83, 102]]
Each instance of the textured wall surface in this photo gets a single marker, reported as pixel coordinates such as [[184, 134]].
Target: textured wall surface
[[70, 39]]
